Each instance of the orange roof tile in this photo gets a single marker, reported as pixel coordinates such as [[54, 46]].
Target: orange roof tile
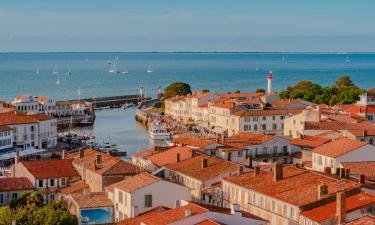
[[5, 128], [285, 102], [78, 187], [150, 151], [339, 147], [193, 167], [16, 117], [309, 141], [193, 141], [328, 211], [91, 200], [361, 109], [224, 105], [42, 117], [365, 220], [298, 186], [170, 156], [364, 168], [44, 169], [209, 222], [15, 184], [136, 182]]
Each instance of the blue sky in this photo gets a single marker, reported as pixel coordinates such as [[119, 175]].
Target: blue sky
[[194, 25]]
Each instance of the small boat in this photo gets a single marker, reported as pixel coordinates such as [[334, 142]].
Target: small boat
[[125, 72], [158, 131], [107, 147], [69, 72], [149, 69], [128, 105]]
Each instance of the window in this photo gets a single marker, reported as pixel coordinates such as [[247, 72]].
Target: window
[[52, 197], [291, 212], [264, 118], [62, 182], [274, 150], [255, 127], [1, 198], [240, 154], [273, 118], [264, 126], [120, 197], [274, 126], [52, 182], [285, 209], [255, 119], [282, 117], [148, 201], [40, 183], [14, 195], [273, 206]]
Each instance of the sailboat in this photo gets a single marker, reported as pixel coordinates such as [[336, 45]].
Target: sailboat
[[37, 69], [69, 72], [149, 69], [113, 67], [55, 70], [58, 78]]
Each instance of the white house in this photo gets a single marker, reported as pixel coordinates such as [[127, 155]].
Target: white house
[[328, 157], [143, 192], [6, 138], [35, 104]]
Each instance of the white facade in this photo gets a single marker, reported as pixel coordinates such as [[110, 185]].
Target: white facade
[[163, 193], [6, 138], [366, 99], [363, 154], [34, 105]]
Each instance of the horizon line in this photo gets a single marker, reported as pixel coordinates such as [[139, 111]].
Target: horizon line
[[253, 52]]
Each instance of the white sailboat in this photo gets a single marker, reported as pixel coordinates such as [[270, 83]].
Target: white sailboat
[[69, 72], [55, 70], [58, 78], [113, 67], [149, 69], [37, 69]]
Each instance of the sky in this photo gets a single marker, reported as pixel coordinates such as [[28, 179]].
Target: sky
[[193, 25]]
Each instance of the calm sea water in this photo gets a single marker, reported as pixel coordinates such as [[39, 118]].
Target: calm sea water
[[215, 71]]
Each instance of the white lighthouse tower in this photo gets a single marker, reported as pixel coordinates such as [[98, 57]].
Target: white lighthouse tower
[[269, 79]]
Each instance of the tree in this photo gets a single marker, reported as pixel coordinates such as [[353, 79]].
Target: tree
[[260, 90], [177, 89], [237, 91], [205, 91], [342, 81]]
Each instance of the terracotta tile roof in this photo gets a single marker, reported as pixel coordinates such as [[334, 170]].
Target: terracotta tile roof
[[339, 147], [91, 200], [365, 220], [44, 169], [361, 109], [42, 117], [224, 105], [170, 156], [193, 141], [298, 187], [331, 134], [5, 128], [150, 151], [243, 139], [309, 141], [109, 165], [16, 117], [365, 168], [240, 95], [161, 216], [337, 125], [15, 184], [77, 187], [218, 184], [285, 102], [209, 222], [267, 112], [193, 167], [328, 211], [136, 182]]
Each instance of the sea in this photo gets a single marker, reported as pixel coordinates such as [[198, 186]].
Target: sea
[[85, 75]]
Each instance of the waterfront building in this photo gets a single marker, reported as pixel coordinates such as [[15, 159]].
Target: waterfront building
[[262, 121], [47, 176], [177, 108], [328, 157], [12, 188], [99, 170], [73, 108], [280, 194], [190, 213], [143, 192], [199, 172], [37, 131], [198, 102], [35, 105]]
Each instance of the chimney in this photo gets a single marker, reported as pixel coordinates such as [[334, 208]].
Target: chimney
[[187, 212], [63, 154], [256, 170], [17, 157], [178, 157], [204, 163], [249, 162], [235, 210], [269, 79], [81, 153], [278, 171], [322, 190], [361, 179], [98, 160], [340, 207]]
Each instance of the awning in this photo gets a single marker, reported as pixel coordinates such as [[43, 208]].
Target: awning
[[25, 152]]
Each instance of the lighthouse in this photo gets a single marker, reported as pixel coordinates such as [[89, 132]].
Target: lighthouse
[[269, 79]]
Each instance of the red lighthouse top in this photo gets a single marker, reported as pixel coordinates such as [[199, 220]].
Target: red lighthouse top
[[269, 76]]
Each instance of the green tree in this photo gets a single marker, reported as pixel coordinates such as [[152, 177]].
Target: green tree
[[237, 91], [342, 81], [260, 90], [177, 88]]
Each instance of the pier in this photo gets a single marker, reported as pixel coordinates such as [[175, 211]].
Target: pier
[[115, 101]]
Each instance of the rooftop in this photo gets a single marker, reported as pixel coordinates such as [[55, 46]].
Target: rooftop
[[77, 187], [15, 184], [5, 128], [364, 168], [43, 169], [193, 167], [91, 200], [298, 186], [136, 182], [193, 142], [267, 112], [170, 156], [339, 147], [365, 220], [328, 211]]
